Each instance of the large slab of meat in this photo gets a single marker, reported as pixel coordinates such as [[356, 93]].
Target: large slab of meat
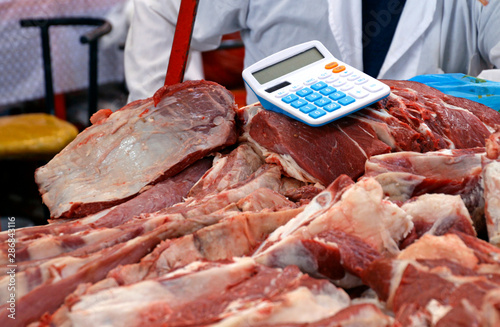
[[413, 118], [139, 145], [290, 226]]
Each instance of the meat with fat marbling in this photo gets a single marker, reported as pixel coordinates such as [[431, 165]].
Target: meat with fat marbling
[[139, 145]]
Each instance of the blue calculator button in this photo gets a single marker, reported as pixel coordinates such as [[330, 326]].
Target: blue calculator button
[[289, 98], [304, 92], [322, 102], [332, 107], [346, 100], [318, 86], [308, 108], [298, 103], [317, 113], [328, 90], [313, 97], [337, 95]]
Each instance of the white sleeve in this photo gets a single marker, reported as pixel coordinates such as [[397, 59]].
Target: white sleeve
[[489, 33], [147, 48], [151, 33]]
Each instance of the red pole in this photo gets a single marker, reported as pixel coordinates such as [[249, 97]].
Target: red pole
[[182, 41]]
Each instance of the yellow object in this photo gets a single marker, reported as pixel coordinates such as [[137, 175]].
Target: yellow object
[[33, 135]]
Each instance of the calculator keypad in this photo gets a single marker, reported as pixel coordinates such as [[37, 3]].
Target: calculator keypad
[[331, 90]]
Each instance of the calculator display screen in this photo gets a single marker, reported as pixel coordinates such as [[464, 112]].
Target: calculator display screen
[[288, 65]]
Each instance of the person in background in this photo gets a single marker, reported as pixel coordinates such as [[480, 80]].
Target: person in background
[[391, 39]]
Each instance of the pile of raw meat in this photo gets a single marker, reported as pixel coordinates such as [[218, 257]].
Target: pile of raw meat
[[184, 210]]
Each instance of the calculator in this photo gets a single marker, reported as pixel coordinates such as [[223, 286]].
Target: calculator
[[306, 82]]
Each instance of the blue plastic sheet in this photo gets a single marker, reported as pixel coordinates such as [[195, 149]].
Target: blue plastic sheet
[[464, 86]]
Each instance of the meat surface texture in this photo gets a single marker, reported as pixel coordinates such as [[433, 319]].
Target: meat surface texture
[[311, 154], [182, 210], [413, 118], [139, 145], [456, 275], [321, 240], [491, 177], [239, 293]]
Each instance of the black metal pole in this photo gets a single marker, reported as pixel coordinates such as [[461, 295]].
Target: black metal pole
[[93, 54], [47, 69]]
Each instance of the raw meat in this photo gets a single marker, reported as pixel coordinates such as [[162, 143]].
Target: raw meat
[[407, 174], [363, 314], [457, 277], [413, 118], [404, 175], [491, 177], [439, 119], [233, 294], [148, 262], [46, 241], [137, 146], [228, 170], [437, 214], [330, 238], [235, 236], [159, 196], [58, 277], [311, 154]]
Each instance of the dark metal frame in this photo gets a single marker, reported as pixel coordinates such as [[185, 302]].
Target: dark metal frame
[[91, 38]]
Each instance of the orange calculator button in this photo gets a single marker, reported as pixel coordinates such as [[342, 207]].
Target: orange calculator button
[[338, 69], [331, 65]]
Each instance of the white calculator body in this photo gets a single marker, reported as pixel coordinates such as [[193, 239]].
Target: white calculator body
[[308, 83]]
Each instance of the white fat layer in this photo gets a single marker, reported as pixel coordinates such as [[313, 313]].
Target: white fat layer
[[318, 204], [363, 212], [45, 247], [122, 306], [54, 270], [491, 177], [398, 268], [399, 186], [440, 210], [95, 217], [353, 141], [418, 320], [448, 247], [290, 167], [298, 306], [437, 310], [381, 129], [289, 251]]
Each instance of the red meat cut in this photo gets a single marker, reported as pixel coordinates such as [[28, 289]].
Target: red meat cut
[[141, 144]]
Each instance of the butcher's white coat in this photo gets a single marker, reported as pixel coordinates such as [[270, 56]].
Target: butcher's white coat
[[439, 36]]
